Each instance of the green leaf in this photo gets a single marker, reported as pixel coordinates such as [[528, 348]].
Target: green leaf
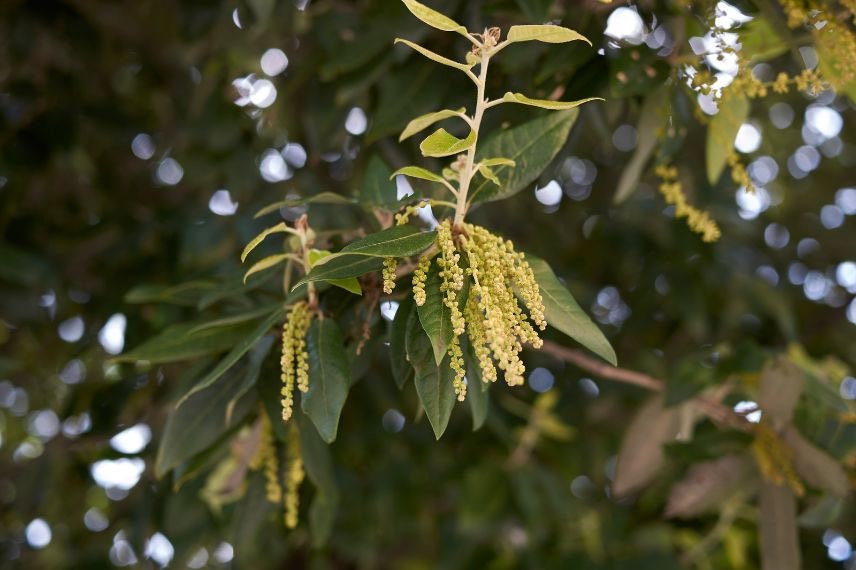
[[433, 383], [202, 421], [329, 377], [319, 467], [435, 316], [402, 371], [181, 294], [497, 162], [723, 127], [563, 313], [320, 198], [489, 174], [411, 91], [477, 391], [418, 172], [442, 143], [434, 18], [532, 146], [760, 42], [238, 350], [544, 103], [351, 284], [266, 263], [777, 520], [421, 123], [255, 359], [279, 228], [544, 33], [435, 56], [176, 343], [651, 119], [367, 254], [397, 241], [235, 319], [344, 267], [375, 189]]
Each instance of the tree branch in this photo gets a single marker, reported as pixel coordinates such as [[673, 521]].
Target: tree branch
[[713, 409]]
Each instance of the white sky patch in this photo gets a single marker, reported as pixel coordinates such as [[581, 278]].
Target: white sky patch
[[143, 146], [273, 62], [169, 172], [121, 473], [71, 330], [263, 93], [221, 203], [273, 167], [356, 123], [132, 440], [746, 405], [112, 334], [625, 24], [38, 533], [549, 195], [159, 549], [748, 138], [403, 189], [388, 309]]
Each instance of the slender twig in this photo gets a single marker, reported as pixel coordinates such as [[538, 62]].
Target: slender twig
[[713, 409]]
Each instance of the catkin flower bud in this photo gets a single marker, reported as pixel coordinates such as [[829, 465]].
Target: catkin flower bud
[[293, 479], [390, 264], [420, 275], [265, 458], [295, 360]]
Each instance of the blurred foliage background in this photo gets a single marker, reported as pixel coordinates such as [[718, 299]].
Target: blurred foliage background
[[137, 140]]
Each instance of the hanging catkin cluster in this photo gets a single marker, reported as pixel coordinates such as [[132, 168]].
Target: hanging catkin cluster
[[266, 459], [481, 279], [295, 360]]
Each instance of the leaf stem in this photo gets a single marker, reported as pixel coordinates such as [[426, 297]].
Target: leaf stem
[[468, 170]]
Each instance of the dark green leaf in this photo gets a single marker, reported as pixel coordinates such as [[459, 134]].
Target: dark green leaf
[[329, 377], [182, 294], [176, 343], [563, 313], [319, 467], [376, 190], [477, 391], [433, 383], [397, 241], [532, 146], [238, 350], [201, 421], [402, 371], [342, 267], [435, 316]]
